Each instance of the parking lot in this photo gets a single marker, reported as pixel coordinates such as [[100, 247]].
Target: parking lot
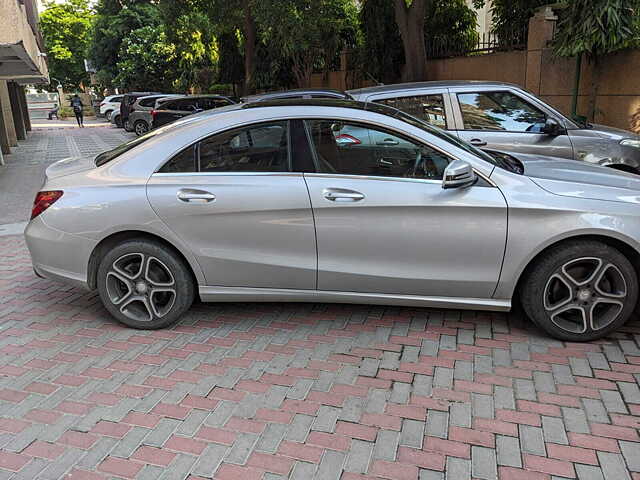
[[294, 390]]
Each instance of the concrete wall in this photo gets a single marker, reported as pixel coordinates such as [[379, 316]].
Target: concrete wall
[[503, 66]]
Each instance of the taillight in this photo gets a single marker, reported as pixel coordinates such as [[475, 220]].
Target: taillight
[[44, 200], [153, 113], [102, 104]]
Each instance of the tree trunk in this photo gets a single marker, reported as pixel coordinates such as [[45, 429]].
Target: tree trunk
[[249, 47], [410, 20], [593, 93]]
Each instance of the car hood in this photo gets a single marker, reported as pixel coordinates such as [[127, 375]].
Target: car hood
[[573, 178], [610, 132], [69, 166]]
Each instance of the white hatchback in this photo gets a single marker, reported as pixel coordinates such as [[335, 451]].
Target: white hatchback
[[109, 105]]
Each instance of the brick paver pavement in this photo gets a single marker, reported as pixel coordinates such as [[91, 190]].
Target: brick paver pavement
[[301, 391]]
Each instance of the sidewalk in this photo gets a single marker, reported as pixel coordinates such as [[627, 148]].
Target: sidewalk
[[68, 123]]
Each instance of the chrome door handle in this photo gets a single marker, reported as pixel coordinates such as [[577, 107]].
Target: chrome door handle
[[476, 142], [388, 141], [189, 195], [340, 195]]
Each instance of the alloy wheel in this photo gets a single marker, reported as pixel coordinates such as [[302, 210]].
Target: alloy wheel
[[585, 295], [140, 128], [141, 286]]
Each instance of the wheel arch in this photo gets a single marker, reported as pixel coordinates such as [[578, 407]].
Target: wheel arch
[[621, 245], [110, 241]]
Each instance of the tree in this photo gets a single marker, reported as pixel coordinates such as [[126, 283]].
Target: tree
[[450, 26], [113, 22], [511, 19], [65, 27], [595, 28], [146, 61], [310, 32], [410, 16]]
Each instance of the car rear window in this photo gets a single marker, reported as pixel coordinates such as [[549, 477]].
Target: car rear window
[[105, 157], [147, 102]]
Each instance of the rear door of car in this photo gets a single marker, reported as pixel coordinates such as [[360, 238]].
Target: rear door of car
[[241, 205], [173, 110], [503, 118]]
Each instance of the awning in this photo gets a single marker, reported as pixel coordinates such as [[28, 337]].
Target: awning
[[18, 66]]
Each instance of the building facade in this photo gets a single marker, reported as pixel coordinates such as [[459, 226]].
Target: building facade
[[22, 62]]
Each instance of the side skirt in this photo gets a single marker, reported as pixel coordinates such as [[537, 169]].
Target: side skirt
[[247, 294]]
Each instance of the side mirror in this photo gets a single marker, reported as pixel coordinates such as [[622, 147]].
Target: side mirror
[[458, 174], [552, 127]]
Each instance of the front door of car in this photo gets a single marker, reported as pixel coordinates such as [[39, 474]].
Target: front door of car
[[235, 201], [504, 120], [385, 224]]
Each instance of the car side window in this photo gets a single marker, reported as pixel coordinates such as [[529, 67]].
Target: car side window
[[171, 105], [257, 148], [211, 103], [147, 102], [502, 111], [429, 108], [357, 149], [183, 162]]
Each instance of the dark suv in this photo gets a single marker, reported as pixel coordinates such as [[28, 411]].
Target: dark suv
[[125, 106], [174, 109]]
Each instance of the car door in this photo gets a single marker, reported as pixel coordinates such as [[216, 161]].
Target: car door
[[503, 119], [389, 227], [235, 201]]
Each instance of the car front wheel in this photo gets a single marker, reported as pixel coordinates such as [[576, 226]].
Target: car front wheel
[[580, 291], [141, 128], [107, 115], [145, 285]]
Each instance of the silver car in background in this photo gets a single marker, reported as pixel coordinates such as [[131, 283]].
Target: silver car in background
[[140, 114], [263, 202], [504, 117]]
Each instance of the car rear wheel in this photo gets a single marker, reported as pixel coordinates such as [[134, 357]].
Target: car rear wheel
[[140, 127], [580, 291], [107, 115], [118, 121], [127, 126], [145, 285]]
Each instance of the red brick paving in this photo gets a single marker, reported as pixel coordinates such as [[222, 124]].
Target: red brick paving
[[345, 392]]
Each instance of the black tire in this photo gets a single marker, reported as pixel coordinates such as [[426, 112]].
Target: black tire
[[118, 121], [107, 115], [134, 279], [140, 127], [563, 298], [127, 126]]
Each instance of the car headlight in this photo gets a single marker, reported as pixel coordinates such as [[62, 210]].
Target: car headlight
[[630, 142]]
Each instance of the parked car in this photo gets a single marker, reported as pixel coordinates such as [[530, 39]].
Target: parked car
[[127, 102], [140, 112], [298, 93], [259, 202], [501, 116], [171, 111], [109, 105]]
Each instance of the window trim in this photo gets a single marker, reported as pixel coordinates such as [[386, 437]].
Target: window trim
[[196, 147], [485, 92], [369, 126]]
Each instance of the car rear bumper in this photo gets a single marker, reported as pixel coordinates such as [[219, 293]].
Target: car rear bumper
[[58, 255]]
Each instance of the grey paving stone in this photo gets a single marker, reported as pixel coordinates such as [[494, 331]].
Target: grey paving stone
[[299, 428], [161, 432], [303, 471], [580, 367], [386, 445], [532, 440], [330, 467], [483, 463], [437, 424], [463, 370], [130, 442], [412, 433], [613, 401], [179, 468], [504, 398], [460, 414], [443, 377], [588, 472], [369, 367], [326, 419], [241, 448], [575, 420], [508, 451], [271, 437], [431, 475], [631, 453], [598, 361], [422, 385], [210, 459], [544, 382], [352, 409], [554, 430], [525, 389], [630, 392], [482, 406], [595, 410], [400, 393], [613, 466], [358, 457], [457, 469]]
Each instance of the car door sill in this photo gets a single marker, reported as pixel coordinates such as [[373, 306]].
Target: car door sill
[[248, 294]]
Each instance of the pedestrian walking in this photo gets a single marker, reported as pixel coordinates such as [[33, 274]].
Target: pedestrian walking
[[77, 106]]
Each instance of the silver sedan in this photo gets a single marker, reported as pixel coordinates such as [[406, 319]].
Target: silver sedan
[[338, 201]]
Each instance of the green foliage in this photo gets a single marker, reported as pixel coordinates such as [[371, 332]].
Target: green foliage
[[230, 65], [146, 61], [65, 28], [597, 27], [309, 32], [450, 24], [382, 53], [511, 18], [113, 22]]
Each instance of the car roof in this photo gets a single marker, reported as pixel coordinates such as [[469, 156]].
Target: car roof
[[433, 84], [297, 93]]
